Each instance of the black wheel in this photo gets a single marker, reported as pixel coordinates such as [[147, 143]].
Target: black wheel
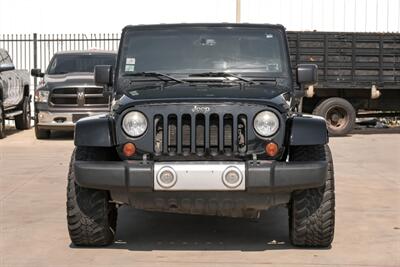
[[23, 121], [312, 211], [91, 217], [41, 133], [339, 114], [2, 121]]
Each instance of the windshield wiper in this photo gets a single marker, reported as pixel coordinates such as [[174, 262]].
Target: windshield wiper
[[158, 75], [223, 75]]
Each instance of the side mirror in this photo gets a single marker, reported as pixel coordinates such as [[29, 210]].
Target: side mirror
[[37, 73], [103, 75], [6, 67], [307, 74]]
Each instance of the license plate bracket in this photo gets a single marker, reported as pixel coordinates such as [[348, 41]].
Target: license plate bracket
[[200, 176]]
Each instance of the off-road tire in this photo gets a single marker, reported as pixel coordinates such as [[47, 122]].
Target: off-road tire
[[312, 211], [91, 217], [23, 121], [337, 105], [2, 121]]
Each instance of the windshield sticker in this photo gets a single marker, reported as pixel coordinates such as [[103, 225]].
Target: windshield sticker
[[130, 64], [269, 36], [207, 42], [129, 68], [273, 67], [130, 61]]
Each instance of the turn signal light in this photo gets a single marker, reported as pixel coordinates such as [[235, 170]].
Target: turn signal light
[[271, 149], [129, 149]]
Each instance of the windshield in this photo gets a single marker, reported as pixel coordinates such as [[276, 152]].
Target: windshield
[[204, 49], [65, 63]]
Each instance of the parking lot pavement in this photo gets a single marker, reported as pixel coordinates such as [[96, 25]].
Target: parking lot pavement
[[34, 233]]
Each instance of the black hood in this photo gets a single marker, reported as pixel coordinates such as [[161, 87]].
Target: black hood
[[269, 94], [70, 79]]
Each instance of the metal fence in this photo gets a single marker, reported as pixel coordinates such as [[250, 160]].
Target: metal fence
[[30, 51]]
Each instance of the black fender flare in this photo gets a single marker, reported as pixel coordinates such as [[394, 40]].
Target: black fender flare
[[27, 90], [95, 131], [1, 91], [308, 130]]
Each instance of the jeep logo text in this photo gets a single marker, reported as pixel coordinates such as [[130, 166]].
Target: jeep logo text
[[197, 109]]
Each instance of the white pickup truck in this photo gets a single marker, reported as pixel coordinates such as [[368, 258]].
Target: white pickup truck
[[14, 95]]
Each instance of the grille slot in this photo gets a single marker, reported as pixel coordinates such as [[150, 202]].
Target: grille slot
[[64, 97], [214, 124], [201, 134], [186, 133], [172, 133], [78, 97]]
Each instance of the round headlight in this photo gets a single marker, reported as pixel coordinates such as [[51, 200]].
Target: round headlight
[[266, 123], [134, 124]]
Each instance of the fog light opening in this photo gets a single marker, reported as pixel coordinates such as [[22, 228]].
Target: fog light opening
[[129, 149], [166, 177], [271, 149], [232, 177]]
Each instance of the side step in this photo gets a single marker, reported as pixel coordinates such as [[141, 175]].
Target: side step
[[13, 114]]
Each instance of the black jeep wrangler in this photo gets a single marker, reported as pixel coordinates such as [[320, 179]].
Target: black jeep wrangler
[[204, 122]]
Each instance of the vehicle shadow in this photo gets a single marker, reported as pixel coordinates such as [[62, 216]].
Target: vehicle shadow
[[362, 131], [147, 231], [61, 136], [369, 131], [11, 130]]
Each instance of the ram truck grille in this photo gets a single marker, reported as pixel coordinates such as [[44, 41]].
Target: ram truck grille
[[211, 134], [78, 97]]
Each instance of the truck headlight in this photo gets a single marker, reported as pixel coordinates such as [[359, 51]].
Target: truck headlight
[[266, 123], [42, 96], [134, 124]]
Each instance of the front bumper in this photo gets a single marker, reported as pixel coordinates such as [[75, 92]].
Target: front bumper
[[61, 120], [260, 176]]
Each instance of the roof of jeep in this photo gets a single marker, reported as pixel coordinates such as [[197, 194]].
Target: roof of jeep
[[193, 25], [87, 52]]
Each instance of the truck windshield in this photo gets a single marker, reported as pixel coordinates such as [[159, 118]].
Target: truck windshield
[[65, 63], [204, 49]]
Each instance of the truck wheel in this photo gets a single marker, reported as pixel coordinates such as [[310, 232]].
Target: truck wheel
[[2, 122], [312, 211], [339, 114], [91, 217], [23, 121], [41, 133]]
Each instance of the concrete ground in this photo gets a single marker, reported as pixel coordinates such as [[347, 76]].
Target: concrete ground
[[34, 232]]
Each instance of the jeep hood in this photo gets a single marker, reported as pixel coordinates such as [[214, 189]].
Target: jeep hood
[[270, 94]]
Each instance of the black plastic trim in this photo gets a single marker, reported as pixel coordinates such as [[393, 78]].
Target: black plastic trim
[[308, 130], [94, 131], [261, 176]]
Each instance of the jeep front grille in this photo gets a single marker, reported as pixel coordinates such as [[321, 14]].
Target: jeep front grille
[[78, 97], [201, 134]]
